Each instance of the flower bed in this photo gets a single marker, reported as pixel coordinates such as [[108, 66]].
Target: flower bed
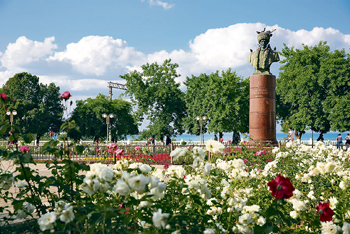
[[297, 189]]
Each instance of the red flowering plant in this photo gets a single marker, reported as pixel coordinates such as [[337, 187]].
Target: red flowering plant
[[3, 96], [66, 95], [324, 211], [281, 187]]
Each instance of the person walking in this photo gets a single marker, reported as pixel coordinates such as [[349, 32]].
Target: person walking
[[347, 139], [167, 141], [320, 137], [339, 141]]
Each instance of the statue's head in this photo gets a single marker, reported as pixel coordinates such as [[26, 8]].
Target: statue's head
[[264, 37]]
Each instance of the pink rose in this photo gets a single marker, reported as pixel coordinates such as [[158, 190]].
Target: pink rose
[[137, 148], [3, 96], [119, 152], [66, 95], [24, 149], [221, 139], [245, 160]]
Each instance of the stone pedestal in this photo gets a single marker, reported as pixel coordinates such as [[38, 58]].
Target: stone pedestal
[[262, 108]]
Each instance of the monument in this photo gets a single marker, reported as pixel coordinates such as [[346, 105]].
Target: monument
[[262, 108]]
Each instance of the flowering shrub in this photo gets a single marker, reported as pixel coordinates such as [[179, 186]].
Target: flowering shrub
[[66, 95], [301, 190], [3, 96]]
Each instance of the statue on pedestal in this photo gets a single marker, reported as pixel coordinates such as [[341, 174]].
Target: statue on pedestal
[[264, 56]]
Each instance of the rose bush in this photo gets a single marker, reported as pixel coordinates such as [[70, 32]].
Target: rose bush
[[301, 190]]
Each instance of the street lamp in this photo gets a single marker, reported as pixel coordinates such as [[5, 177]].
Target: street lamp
[[200, 119], [11, 114], [107, 117]]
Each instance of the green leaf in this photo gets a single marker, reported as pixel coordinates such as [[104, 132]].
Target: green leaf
[[4, 128], [28, 138]]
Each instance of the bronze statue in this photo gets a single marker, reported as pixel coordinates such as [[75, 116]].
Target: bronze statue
[[264, 56]]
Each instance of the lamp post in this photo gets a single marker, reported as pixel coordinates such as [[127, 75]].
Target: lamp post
[[107, 117], [200, 119], [11, 114]]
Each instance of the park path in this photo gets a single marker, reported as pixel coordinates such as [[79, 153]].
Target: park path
[[43, 171]]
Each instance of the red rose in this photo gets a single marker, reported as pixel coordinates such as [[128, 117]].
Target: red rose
[[3, 96], [166, 166], [281, 187], [66, 95], [325, 212]]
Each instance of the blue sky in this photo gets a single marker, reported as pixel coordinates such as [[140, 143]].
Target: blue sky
[[82, 44]]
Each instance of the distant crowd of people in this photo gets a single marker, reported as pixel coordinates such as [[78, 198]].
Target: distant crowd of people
[[339, 139]]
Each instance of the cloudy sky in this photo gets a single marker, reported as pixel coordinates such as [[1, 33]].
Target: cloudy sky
[[82, 44]]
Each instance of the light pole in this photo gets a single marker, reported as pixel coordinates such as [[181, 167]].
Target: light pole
[[107, 117], [200, 119], [11, 114]]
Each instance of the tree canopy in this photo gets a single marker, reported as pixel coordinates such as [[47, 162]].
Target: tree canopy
[[223, 99], [38, 106], [88, 117], [156, 95], [313, 89]]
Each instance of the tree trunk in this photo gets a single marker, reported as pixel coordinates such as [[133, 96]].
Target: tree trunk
[[37, 139], [235, 138], [221, 135], [298, 135]]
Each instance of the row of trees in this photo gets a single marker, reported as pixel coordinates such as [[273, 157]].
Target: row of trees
[[222, 98], [312, 90], [38, 106], [312, 93]]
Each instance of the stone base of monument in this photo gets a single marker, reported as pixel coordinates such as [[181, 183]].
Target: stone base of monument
[[262, 116]]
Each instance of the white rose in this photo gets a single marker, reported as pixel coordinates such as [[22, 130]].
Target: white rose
[[122, 188], [199, 152], [346, 228], [261, 221], [145, 168], [177, 153], [67, 214], [159, 219], [206, 169], [21, 214], [105, 174], [28, 207], [138, 183], [342, 185], [245, 219], [209, 231], [46, 221], [294, 214]]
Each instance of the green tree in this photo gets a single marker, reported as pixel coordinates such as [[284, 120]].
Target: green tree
[[156, 96], [38, 106], [90, 123], [223, 99], [312, 89]]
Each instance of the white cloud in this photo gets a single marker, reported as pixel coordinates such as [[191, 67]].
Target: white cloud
[[87, 65], [74, 85], [25, 51], [163, 4], [93, 55]]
